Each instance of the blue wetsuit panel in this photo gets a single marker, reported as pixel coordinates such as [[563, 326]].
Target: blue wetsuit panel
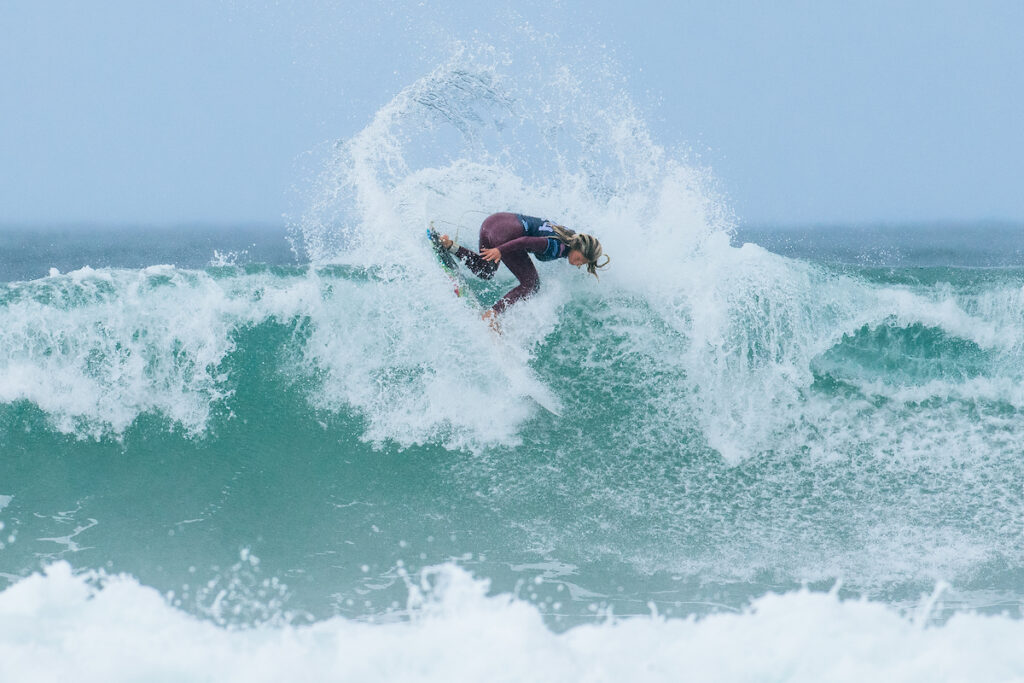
[[539, 227], [554, 250], [532, 226]]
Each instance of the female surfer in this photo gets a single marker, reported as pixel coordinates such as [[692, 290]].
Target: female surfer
[[510, 237]]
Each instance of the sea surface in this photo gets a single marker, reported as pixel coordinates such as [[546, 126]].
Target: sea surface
[[289, 453]]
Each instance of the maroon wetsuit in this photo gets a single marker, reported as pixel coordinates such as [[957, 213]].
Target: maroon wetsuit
[[508, 232]]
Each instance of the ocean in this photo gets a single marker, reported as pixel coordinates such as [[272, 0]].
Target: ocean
[[289, 453]]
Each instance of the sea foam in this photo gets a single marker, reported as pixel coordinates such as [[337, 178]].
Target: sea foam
[[62, 626]]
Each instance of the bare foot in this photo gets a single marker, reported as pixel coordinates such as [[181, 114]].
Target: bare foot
[[491, 318]]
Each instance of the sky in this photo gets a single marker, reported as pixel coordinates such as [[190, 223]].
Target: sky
[[145, 112]]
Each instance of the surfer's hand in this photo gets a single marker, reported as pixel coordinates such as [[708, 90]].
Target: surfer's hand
[[491, 254], [446, 241]]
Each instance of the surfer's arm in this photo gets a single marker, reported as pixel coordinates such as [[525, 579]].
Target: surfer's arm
[[537, 245], [476, 263]]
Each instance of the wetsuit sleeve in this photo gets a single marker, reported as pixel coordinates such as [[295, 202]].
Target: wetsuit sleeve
[[537, 245], [476, 263]]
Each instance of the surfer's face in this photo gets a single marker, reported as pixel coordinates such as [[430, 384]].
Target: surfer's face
[[577, 258]]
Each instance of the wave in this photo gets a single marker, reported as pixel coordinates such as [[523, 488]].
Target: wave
[[724, 412], [754, 352], [95, 349], [751, 346], [852, 416]]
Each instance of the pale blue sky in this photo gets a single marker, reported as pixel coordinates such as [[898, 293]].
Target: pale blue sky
[[162, 112]]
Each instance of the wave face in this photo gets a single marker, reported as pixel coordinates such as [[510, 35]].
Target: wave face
[[729, 420]]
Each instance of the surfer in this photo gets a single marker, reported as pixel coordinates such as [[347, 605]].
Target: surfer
[[511, 237]]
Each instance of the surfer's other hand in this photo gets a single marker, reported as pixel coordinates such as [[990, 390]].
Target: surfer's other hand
[[491, 254]]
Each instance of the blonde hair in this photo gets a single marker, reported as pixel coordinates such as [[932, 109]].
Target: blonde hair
[[583, 243]]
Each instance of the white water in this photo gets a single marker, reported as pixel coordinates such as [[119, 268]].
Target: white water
[[61, 627], [95, 349]]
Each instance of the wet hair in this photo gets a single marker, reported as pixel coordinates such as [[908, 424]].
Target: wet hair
[[583, 243]]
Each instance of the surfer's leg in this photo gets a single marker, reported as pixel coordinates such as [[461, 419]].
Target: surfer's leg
[[529, 282]]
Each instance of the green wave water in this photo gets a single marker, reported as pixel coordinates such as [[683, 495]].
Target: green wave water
[[160, 422]]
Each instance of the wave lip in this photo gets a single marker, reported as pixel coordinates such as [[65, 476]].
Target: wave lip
[[96, 349]]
